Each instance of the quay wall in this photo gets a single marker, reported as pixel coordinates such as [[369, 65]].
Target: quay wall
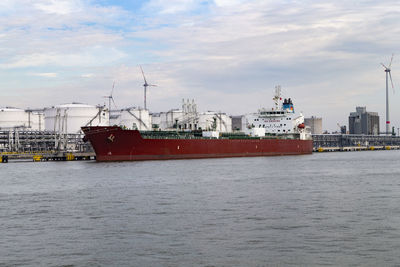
[[352, 142]]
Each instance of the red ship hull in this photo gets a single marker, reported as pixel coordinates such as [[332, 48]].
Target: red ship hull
[[116, 144]]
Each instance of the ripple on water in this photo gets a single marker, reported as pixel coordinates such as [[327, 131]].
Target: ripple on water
[[321, 209]]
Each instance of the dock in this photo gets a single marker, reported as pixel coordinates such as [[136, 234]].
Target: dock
[[354, 148], [351, 142], [37, 146], [6, 157]]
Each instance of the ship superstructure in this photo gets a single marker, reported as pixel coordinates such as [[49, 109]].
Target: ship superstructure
[[281, 119]]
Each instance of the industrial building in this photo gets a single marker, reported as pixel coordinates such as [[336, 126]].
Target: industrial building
[[178, 119], [363, 122], [188, 118], [315, 124]]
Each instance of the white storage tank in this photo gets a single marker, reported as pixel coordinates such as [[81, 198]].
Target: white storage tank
[[13, 117], [69, 118], [211, 120], [35, 120], [133, 118], [169, 119], [156, 121]]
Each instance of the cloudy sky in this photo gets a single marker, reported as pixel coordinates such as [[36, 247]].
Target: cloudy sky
[[226, 54]]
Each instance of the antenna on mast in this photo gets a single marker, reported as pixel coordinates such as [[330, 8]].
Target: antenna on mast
[[388, 75], [145, 85], [277, 96]]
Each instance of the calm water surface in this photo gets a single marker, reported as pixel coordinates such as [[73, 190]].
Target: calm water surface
[[320, 209]]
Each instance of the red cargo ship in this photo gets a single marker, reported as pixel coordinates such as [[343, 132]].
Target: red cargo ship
[[117, 144], [277, 131]]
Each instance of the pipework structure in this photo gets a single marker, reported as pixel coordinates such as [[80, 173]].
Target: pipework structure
[[27, 140]]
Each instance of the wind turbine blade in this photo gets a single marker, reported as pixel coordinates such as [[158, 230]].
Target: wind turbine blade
[[390, 75], [145, 82], [112, 90], [152, 85], [112, 98], [391, 60], [384, 66]]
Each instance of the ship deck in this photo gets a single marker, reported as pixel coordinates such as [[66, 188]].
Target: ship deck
[[198, 135]]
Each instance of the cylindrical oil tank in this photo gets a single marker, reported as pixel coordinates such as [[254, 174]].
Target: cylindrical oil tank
[[69, 118], [13, 117], [35, 120], [315, 124], [171, 119], [216, 121], [133, 118]]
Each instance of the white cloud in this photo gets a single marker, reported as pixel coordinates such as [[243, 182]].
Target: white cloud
[[227, 3], [45, 74], [59, 7], [331, 48], [87, 75], [172, 6], [88, 57], [228, 55]]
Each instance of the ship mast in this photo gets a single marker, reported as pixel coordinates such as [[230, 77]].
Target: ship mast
[[277, 97]]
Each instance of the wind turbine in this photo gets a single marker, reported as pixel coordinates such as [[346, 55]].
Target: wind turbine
[[145, 85], [387, 70], [110, 97]]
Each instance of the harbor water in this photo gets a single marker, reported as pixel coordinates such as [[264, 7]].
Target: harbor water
[[335, 209]]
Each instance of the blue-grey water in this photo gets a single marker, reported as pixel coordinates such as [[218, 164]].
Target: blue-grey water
[[321, 209]]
